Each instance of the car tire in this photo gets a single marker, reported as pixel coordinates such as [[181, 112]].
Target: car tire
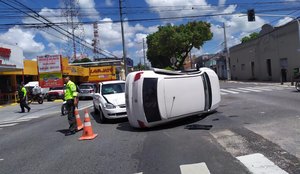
[[102, 119], [96, 110]]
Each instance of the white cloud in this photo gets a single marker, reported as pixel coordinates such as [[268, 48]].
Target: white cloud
[[88, 7], [222, 2], [284, 21], [109, 3], [24, 39]]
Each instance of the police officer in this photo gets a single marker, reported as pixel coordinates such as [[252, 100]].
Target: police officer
[[22, 96], [72, 101]]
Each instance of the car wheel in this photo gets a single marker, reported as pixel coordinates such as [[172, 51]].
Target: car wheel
[[101, 117]]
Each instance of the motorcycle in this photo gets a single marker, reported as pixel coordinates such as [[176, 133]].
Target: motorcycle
[[297, 86], [64, 110], [35, 97]]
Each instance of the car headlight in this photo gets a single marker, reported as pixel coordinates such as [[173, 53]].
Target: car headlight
[[109, 106]]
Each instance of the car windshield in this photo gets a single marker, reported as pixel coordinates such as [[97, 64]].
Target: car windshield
[[113, 88], [85, 87]]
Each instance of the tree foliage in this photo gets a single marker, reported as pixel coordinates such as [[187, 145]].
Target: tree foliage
[[82, 60], [250, 37], [176, 41]]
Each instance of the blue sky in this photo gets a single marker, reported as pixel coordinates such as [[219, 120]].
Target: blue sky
[[40, 41]]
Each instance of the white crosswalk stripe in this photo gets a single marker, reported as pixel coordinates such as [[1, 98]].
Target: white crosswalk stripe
[[251, 89], [199, 168], [228, 91], [256, 163], [7, 125]]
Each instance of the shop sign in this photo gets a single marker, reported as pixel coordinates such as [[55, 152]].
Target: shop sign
[[51, 80], [97, 71], [5, 52], [49, 63]]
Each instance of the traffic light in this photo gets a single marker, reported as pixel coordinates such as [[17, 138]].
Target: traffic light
[[251, 15]]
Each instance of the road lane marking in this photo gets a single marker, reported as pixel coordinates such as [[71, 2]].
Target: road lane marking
[[258, 164], [7, 125], [262, 88], [232, 92], [198, 168]]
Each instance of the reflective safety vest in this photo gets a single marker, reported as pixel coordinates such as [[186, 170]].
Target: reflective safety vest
[[70, 92], [24, 91]]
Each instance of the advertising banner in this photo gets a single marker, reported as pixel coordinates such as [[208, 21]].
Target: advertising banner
[[50, 80], [49, 63], [50, 71], [104, 70]]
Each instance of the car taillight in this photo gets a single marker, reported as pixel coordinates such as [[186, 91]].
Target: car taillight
[[142, 124], [138, 76]]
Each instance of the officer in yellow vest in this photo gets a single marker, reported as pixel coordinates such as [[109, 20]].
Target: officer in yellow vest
[[22, 96], [72, 101]]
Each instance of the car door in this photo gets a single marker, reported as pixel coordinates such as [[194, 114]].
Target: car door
[[184, 95], [96, 97]]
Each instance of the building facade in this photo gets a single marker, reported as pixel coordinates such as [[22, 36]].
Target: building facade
[[273, 56]]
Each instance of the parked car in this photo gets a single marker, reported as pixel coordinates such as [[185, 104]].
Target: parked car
[[55, 93], [87, 90], [160, 96], [109, 100]]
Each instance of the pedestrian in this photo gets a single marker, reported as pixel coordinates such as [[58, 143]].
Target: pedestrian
[[72, 101], [23, 96]]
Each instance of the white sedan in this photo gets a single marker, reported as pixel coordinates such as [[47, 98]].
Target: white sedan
[[109, 100], [160, 96]]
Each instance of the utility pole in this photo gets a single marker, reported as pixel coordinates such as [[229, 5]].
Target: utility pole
[[144, 53], [227, 53], [123, 39]]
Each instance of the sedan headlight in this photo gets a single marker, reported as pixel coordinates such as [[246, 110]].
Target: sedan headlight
[[109, 106]]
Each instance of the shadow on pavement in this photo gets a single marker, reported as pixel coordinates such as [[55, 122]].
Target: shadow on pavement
[[112, 121], [173, 124], [63, 131]]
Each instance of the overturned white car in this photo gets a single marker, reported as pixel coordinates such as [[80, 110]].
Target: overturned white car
[[159, 96]]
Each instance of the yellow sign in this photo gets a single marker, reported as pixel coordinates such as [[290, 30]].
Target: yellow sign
[[75, 70], [104, 70]]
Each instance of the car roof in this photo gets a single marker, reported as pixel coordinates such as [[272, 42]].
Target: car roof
[[112, 82]]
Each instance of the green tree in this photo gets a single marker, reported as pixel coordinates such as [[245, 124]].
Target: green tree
[[82, 60], [176, 41], [250, 37]]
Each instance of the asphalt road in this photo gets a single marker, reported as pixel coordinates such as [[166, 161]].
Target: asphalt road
[[254, 121]]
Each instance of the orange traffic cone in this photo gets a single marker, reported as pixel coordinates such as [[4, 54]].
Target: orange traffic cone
[[87, 133], [78, 120]]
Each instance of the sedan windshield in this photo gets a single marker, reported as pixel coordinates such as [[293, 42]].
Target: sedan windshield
[[113, 88]]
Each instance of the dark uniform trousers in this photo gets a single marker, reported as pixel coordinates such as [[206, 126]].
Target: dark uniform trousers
[[23, 104], [71, 115]]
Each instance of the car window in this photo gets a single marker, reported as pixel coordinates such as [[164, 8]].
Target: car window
[[113, 88]]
